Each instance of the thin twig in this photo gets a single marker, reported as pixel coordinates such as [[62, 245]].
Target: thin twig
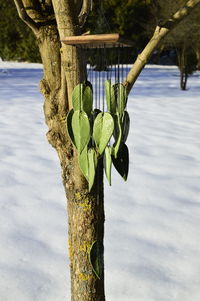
[[85, 10]]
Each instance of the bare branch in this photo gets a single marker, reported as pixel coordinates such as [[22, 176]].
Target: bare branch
[[160, 33], [85, 10], [25, 17]]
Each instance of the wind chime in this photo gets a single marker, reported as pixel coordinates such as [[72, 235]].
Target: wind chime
[[98, 123]]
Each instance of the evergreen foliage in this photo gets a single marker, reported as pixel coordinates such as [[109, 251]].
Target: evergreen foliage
[[17, 41], [128, 18]]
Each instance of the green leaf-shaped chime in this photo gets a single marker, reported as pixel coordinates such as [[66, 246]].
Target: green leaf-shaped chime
[[102, 131], [91, 130], [95, 132], [96, 258], [82, 98]]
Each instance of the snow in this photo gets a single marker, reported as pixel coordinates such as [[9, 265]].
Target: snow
[[152, 246]]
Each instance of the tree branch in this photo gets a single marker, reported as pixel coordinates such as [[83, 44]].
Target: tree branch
[[85, 10], [160, 33], [25, 17]]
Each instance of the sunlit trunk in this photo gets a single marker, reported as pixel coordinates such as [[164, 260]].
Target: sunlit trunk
[[85, 209]]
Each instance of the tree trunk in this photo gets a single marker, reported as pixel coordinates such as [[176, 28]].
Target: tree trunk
[[183, 79], [197, 52], [85, 209], [63, 69], [182, 63]]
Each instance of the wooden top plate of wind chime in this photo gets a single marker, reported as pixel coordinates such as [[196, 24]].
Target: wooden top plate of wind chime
[[99, 40]]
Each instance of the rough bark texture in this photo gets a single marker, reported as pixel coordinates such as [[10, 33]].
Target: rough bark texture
[[64, 67], [85, 210], [86, 225]]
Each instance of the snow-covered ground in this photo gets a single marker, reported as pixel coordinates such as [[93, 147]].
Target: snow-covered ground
[[152, 245]]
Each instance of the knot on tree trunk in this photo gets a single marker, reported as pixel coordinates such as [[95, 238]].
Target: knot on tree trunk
[[44, 87]]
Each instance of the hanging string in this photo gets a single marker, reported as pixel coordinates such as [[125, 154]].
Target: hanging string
[[106, 56], [103, 22], [99, 79], [126, 62], [104, 77], [111, 63], [77, 72], [88, 65], [96, 92], [122, 63], [118, 64], [92, 64], [107, 62], [115, 68], [72, 71], [76, 66], [92, 72]]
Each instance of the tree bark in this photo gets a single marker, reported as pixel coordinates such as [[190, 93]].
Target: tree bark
[[64, 67], [85, 209], [183, 79], [197, 51], [182, 62]]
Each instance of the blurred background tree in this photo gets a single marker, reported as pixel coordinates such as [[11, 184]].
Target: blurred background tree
[[185, 38]]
